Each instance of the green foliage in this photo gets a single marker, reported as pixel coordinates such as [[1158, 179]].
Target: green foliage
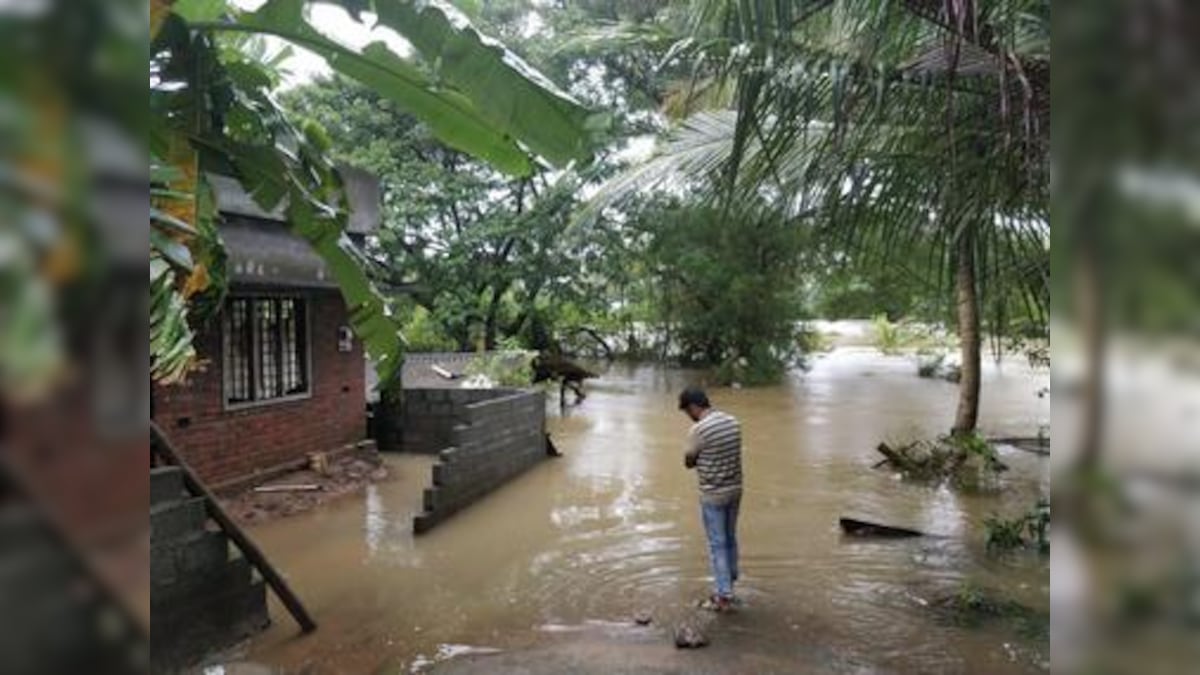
[[172, 353], [503, 369], [508, 94], [813, 341], [905, 157], [752, 371], [974, 444], [966, 461], [972, 606], [423, 334], [73, 98], [481, 99], [974, 599], [487, 256], [31, 342], [1029, 530], [888, 337], [975, 461], [847, 290], [725, 288], [212, 89], [892, 337]]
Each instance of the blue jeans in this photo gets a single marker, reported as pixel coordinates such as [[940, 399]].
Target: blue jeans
[[720, 525]]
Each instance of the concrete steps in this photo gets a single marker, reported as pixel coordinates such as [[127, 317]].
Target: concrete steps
[[166, 484], [176, 519], [192, 553], [204, 597]]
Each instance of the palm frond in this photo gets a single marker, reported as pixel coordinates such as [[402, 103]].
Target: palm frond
[[696, 150]]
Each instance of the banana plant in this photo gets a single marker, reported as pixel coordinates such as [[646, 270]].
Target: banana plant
[[213, 111]]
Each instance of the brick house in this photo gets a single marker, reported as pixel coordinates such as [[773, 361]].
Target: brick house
[[283, 374]]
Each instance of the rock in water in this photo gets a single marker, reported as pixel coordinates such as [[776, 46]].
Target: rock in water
[[688, 636], [642, 617]]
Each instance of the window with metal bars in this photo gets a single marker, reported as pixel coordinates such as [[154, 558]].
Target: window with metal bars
[[265, 349]]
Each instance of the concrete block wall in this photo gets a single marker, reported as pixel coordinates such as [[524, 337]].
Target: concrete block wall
[[492, 441], [430, 416], [204, 596]]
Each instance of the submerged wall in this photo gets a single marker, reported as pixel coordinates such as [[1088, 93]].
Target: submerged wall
[[489, 442]]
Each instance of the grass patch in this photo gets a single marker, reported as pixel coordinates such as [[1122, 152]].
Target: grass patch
[[972, 606]]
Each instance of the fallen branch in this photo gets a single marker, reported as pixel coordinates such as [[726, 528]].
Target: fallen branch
[[969, 462], [302, 487], [897, 460]]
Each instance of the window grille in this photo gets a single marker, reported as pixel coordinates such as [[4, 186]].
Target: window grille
[[266, 349]]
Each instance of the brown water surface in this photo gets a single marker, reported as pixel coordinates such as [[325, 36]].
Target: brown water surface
[[576, 545]]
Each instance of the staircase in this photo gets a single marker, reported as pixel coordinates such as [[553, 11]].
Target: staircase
[[204, 595]]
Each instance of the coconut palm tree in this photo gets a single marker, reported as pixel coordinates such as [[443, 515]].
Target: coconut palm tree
[[883, 124]]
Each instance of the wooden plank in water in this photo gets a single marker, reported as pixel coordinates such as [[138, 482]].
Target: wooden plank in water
[[864, 528]]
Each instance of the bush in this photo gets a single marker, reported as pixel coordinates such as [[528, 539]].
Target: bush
[[813, 341], [888, 337], [969, 461], [972, 606], [724, 289], [892, 337], [1030, 530], [757, 369], [423, 334], [502, 369]]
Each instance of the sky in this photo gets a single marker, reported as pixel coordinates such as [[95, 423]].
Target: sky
[[334, 23], [337, 24]]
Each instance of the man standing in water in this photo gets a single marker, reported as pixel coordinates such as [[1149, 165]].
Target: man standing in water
[[714, 449]]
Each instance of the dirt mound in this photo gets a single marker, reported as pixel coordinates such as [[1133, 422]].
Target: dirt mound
[[304, 489]]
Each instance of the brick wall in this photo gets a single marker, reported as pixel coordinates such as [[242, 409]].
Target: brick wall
[[494, 440], [223, 445]]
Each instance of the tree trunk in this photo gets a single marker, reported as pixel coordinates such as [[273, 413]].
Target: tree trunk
[[966, 417], [489, 325]]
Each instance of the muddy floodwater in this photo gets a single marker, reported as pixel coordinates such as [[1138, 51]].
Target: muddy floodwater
[[561, 558]]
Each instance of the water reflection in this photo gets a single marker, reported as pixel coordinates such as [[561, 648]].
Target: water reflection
[[613, 526]]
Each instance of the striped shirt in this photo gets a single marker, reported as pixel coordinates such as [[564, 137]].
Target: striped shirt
[[716, 440]]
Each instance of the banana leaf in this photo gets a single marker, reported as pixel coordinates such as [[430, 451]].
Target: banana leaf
[[452, 117]]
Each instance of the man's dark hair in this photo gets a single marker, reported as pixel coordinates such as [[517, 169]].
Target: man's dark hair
[[693, 396]]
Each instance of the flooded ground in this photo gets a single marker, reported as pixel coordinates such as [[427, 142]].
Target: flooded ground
[[553, 565]]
